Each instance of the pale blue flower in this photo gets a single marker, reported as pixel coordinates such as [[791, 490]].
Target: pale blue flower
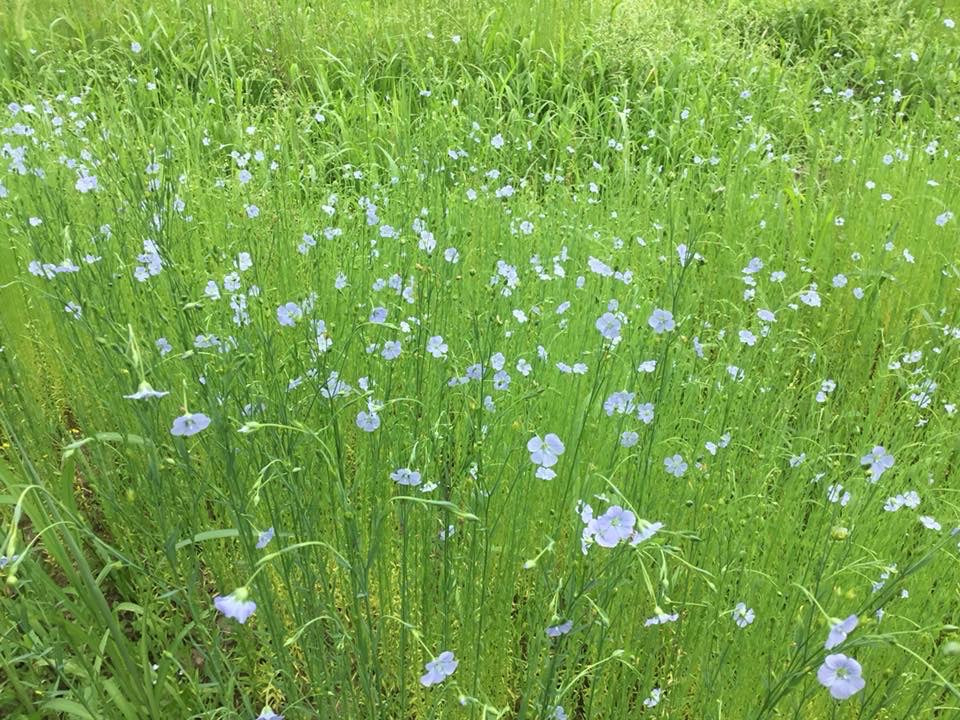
[[391, 350], [910, 499], [826, 387], [647, 530], [545, 473], [306, 242], [235, 605], [879, 461], [437, 347], [189, 424], [265, 537], [841, 675], [545, 451], [439, 669], [836, 494], [558, 630], [742, 615], [654, 698], [145, 391], [152, 263], [405, 476], [661, 618], [231, 282], [628, 438], [368, 421], [243, 262], [645, 413], [661, 321], [614, 526], [811, 297], [675, 465], [620, 402], [288, 314], [609, 326], [839, 630], [85, 183]]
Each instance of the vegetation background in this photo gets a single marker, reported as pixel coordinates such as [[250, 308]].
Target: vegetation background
[[773, 129]]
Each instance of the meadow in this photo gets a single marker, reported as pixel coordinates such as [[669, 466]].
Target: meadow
[[537, 359]]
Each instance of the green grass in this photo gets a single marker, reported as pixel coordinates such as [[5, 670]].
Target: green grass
[[630, 131]]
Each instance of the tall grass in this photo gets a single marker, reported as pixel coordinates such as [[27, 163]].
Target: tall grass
[[586, 162]]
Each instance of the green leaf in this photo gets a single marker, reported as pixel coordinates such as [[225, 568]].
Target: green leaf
[[128, 607], [209, 535], [440, 503], [69, 708], [106, 437]]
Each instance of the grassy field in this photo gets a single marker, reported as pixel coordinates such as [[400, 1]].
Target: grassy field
[[538, 359]]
